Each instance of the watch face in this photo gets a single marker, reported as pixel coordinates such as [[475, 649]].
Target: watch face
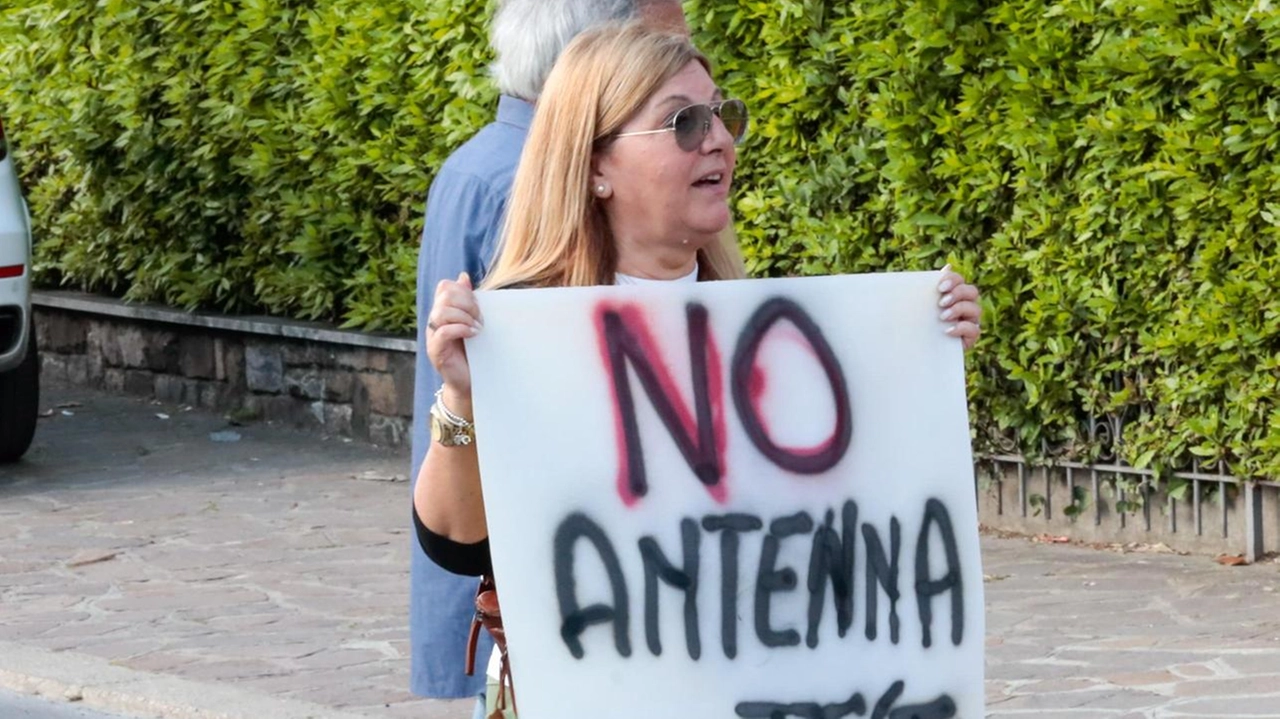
[[447, 434]]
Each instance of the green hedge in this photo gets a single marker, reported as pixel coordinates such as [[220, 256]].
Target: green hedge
[[1105, 171], [248, 155]]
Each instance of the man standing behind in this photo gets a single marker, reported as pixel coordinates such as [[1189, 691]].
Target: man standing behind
[[463, 220]]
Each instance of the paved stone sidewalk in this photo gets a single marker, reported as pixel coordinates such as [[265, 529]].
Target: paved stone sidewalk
[[1078, 632], [147, 569], [277, 564]]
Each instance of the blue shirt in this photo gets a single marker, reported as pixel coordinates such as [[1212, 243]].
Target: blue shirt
[[464, 217]]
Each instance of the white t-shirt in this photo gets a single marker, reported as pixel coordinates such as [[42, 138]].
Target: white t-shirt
[[621, 279]]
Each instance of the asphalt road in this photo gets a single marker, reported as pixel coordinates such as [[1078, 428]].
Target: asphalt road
[[17, 706], [157, 569], [162, 562]]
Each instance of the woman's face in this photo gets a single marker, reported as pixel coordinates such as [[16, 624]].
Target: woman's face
[[662, 202]]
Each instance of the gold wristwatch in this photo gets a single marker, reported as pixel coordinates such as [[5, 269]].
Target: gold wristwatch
[[449, 429]]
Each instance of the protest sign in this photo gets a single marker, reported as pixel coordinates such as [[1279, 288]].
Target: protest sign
[[731, 499]]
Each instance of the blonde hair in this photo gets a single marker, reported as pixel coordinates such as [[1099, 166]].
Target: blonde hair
[[555, 233]]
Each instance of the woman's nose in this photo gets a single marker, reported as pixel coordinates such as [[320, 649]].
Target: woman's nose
[[718, 136]]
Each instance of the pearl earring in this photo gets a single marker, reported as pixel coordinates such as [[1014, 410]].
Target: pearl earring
[[600, 190]]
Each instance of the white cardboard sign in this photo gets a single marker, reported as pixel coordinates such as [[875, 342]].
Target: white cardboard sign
[[732, 499]]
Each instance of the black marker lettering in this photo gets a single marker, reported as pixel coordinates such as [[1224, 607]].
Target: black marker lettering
[[770, 580], [944, 707], [624, 346], [935, 514], [833, 560], [744, 357], [855, 706], [883, 571], [574, 618], [656, 567], [881, 710], [730, 526]]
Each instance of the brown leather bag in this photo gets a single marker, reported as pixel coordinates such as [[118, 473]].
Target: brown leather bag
[[489, 616]]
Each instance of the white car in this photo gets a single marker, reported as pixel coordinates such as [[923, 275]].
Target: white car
[[19, 364]]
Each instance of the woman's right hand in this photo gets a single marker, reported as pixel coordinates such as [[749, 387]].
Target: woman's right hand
[[454, 316]]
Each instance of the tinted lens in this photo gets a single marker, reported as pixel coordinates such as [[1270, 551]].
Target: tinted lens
[[691, 125], [733, 113]]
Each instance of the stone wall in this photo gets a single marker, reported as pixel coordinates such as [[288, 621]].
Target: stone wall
[[303, 374]]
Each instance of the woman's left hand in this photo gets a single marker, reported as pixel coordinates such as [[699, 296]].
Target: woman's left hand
[[960, 309]]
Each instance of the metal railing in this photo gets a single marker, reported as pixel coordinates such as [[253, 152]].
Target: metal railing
[[1125, 482]]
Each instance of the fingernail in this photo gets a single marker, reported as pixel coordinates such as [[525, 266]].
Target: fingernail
[[944, 285], [950, 330], [946, 268], [477, 325], [946, 300], [946, 315]]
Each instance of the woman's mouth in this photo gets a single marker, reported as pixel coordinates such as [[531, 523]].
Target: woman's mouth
[[711, 179]]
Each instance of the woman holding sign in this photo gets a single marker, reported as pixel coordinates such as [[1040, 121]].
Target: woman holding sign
[[625, 179]]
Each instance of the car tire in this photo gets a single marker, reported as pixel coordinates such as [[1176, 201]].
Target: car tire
[[19, 404]]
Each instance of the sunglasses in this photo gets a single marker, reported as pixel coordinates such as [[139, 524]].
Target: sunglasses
[[692, 124]]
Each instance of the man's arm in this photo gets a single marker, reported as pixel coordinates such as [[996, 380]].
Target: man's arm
[[460, 224]]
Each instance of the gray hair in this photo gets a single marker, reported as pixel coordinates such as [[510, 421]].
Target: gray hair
[[528, 35]]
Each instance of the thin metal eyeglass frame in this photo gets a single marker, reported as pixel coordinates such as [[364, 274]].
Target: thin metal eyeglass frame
[[714, 107]]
